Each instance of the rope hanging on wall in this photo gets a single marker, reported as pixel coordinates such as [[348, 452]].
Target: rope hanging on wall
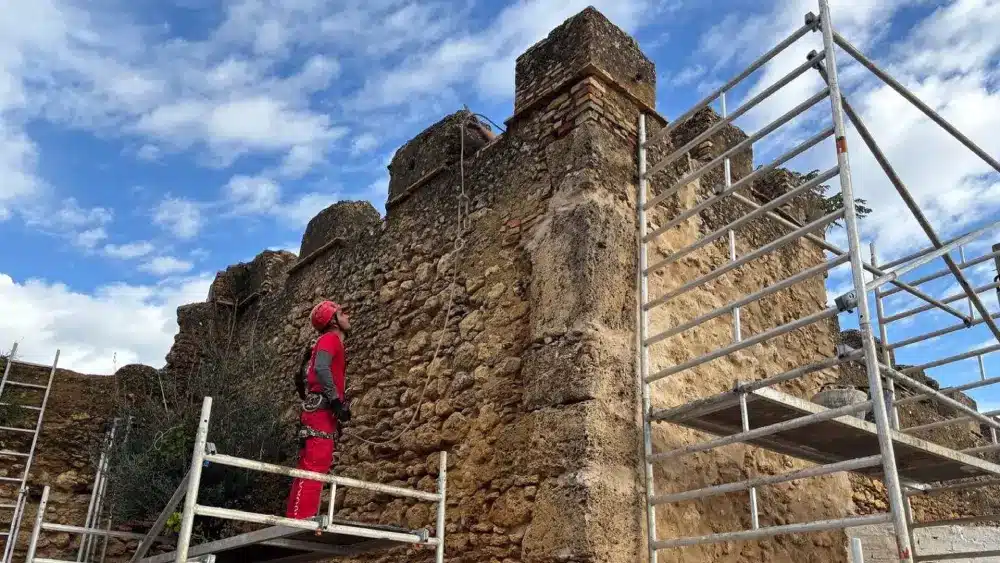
[[464, 222]]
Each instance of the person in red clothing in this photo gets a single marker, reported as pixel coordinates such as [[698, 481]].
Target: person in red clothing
[[321, 386]]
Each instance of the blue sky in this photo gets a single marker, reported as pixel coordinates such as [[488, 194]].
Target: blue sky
[[146, 145]]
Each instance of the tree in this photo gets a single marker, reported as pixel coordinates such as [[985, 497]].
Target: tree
[[829, 204]]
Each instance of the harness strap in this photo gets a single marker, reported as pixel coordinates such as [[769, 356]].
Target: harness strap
[[308, 432]]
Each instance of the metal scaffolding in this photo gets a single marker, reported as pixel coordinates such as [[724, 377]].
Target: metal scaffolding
[[14, 529], [755, 412], [285, 540]]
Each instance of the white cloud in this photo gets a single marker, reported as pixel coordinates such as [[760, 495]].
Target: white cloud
[[18, 159], [70, 214], [166, 265], [148, 153], [300, 210], [488, 54], [252, 194], [301, 159], [179, 216], [129, 250], [83, 226], [90, 238], [364, 143], [136, 322], [260, 195]]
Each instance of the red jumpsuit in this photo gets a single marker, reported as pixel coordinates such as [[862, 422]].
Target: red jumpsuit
[[317, 453]]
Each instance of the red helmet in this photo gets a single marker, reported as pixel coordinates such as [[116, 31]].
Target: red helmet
[[322, 314]]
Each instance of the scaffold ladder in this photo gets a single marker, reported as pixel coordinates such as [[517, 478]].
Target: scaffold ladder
[[6, 384]]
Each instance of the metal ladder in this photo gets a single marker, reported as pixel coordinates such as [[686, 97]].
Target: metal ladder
[[22, 495]]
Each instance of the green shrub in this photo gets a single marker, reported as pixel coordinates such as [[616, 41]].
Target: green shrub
[[153, 453]]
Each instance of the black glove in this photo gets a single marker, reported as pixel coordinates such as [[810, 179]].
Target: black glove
[[340, 410]]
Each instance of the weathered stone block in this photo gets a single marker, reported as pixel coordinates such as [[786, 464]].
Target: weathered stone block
[[587, 38], [347, 220]]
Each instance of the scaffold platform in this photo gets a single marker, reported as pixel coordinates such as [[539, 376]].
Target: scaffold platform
[[286, 544], [827, 441]]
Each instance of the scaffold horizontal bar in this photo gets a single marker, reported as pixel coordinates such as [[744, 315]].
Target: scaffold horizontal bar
[[965, 387], [674, 413], [912, 255], [840, 252], [938, 396], [936, 333], [80, 530], [25, 407], [13, 453], [957, 555], [809, 472], [741, 146], [945, 271], [764, 431], [981, 449], [953, 359], [744, 182], [928, 257], [750, 216], [268, 519], [27, 385], [738, 112], [770, 531], [761, 61], [783, 284], [31, 364], [927, 307], [948, 422], [746, 343], [956, 521], [762, 251], [949, 487], [322, 477], [13, 429]]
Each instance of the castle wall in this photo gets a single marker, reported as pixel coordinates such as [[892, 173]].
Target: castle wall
[[514, 349]]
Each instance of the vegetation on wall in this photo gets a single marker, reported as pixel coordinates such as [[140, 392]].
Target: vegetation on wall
[[158, 419]]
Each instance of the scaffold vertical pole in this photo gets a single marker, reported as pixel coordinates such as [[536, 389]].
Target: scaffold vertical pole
[[442, 503], [37, 530], [642, 348], [6, 368], [891, 476], [96, 494], [884, 335], [737, 326], [857, 553], [194, 482]]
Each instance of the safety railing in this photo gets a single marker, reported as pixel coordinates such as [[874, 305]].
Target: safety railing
[[204, 454], [86, 533], [883, 378]]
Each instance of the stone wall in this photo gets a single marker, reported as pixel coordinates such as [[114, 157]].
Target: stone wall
[[72, 432], [510, 342]]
